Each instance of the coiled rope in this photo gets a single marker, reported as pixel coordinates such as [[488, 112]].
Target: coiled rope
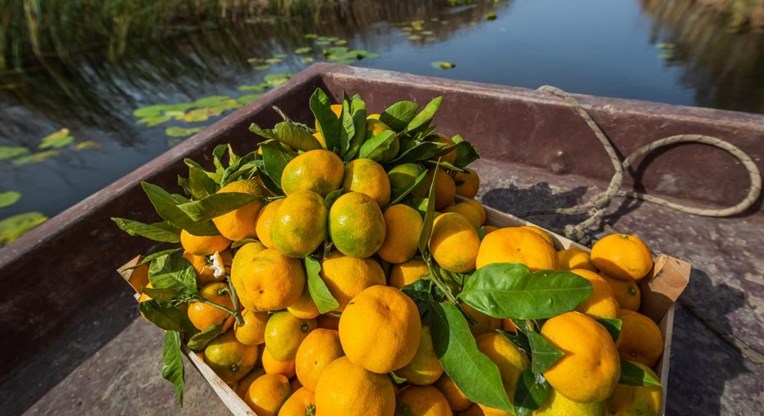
[[597, 205]]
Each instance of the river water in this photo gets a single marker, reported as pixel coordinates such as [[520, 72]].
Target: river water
[[666, 51]]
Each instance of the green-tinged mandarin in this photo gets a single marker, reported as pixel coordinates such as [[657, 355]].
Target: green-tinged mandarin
[[356, 225], [403, 175], [368, 177], [558, 405], [320, 171], [300, 224], [284, 333], [230, 359]]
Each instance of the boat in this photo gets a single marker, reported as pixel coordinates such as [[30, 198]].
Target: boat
[[63, 304]]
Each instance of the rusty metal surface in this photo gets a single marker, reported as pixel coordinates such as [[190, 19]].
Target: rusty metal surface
[[536, 152]]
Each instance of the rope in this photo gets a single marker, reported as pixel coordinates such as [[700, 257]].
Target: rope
[[597, 205]]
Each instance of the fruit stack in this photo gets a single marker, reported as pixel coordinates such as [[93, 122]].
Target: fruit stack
[[345, 269]]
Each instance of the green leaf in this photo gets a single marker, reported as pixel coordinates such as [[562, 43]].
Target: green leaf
[[613, 326], [201, 184], [150, 231], [56, 140], [358, 111], [276, 79], [87, 144], [519, 338], [398, 115], [329, 125], [397, 379], [15, 226], [166, 316], [466, 152], [376, 147], [10, 152], [172, 363], [491, 16], [508, 290], [419, 152], [173, 272], [248, 98], [637, 374], [543, 354], [473, 372], [423, 118], [531, 393], [35, 157], [420, 292], [175, 131], [150, 257], [442, 65], [305, 49], [427, 222], [348, 130], [318, 290], [200, 340], [167, 208], [216, 205], [295, 135], [9, 198], [398, 194], [164, 294], [332, 197], [275, 158]]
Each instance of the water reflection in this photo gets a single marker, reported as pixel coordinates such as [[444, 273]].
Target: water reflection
[[721, 64], [94, 96]]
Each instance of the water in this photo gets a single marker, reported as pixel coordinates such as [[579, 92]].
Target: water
[[665, 51]]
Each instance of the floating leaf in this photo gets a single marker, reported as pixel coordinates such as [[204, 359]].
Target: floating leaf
[[200, 114], [155, 120], [341, 42], [491, 16], [35, 157], [261, 67], [280, 55], [273, 61], [150, 111], [172, 363], [277, 78], [426, 32], [310, 36], [13, 227], [318, 290], [306, 59], [442, 65], [246, 99], [509, 290], [259, 87], [372, 55], [181, 132], [9, 152], [56, 140], [415, 37], [211, 101], [9, 198], [305, 49], [87, 144]]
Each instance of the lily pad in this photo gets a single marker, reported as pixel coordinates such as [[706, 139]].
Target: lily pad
[[491, 16], [307, 59], [280, 55], [12, 228], [259, 87], [200, 114], [277, 78], [273, 61], [9, 198], [305, 49], [181, 132], [35, 157], [310, 36], [261, 67], [340, 42], [56, 140], [87, 144], [442, 65], [211, 101], [415, 37], [426, 32], [9, 152], [246, 99]]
